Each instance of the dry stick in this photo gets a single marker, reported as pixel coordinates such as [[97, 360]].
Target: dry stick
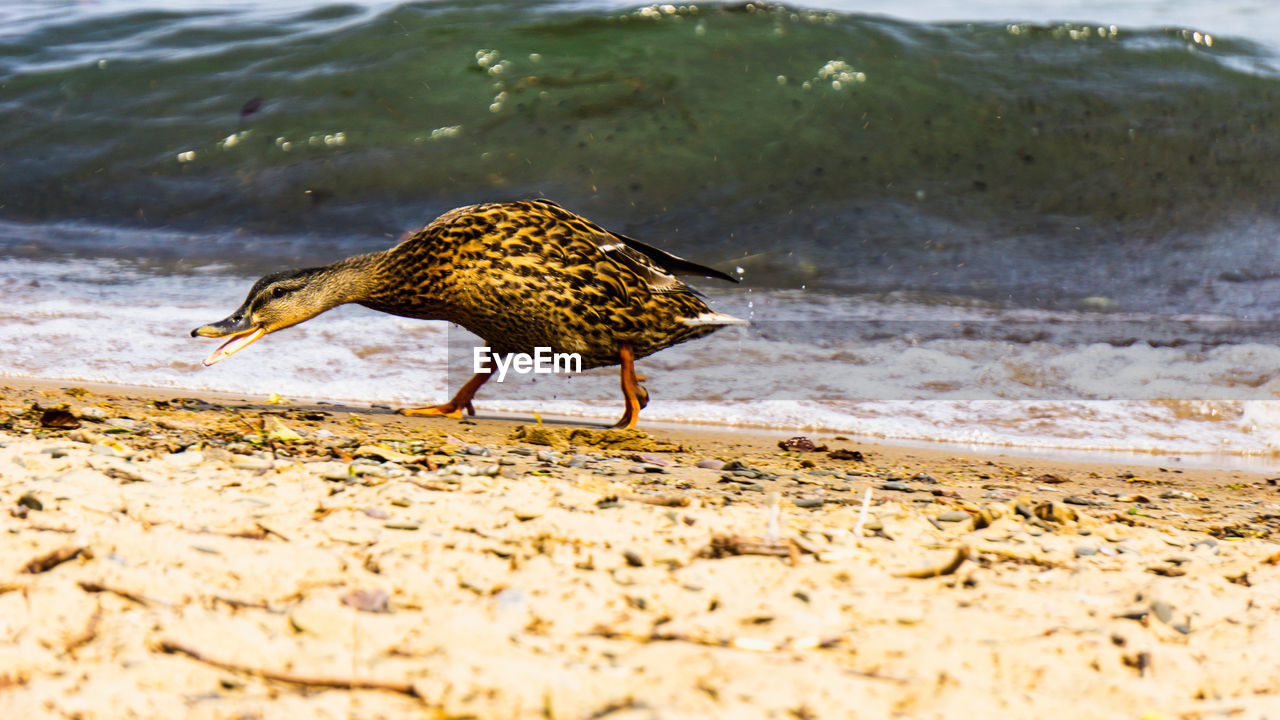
[[662, 500], [51, 560], [171, 647], [92, 587]]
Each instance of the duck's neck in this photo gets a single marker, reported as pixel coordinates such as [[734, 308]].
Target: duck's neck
[[351, 280]]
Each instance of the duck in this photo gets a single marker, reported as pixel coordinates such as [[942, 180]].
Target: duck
[[523, 276]]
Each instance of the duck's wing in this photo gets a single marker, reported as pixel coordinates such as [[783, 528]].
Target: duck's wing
[[672, 263], [639, 264]]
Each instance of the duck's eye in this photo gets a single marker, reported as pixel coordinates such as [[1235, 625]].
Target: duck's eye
[[277, 293]]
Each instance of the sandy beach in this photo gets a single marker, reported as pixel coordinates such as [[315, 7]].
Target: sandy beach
[[215, 557]]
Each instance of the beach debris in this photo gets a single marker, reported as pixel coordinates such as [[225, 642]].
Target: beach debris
[[275, 429], [58, 419], [801, 444], [51, 560], [370, 601], [1055, 512], [1050, 479], [945, 568], [862, 513], [172, 647], [608, 439], [711, 464], [844, 454], [97, 587], [660, 500], [722, 546], [30, 502]]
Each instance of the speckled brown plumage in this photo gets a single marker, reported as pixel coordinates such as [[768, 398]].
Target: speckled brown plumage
[[531, 274], [520, 275]]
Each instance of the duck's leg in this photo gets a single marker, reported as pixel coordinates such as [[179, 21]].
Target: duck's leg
[[633, 394], [460, 402]]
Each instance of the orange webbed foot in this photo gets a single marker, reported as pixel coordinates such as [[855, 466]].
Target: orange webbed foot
[[448, 410]]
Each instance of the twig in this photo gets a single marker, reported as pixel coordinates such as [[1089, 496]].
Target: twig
[[725, 545], [946, 568], [662, 500], [92, 587], [171, 647], [87, 635], [51, 560]]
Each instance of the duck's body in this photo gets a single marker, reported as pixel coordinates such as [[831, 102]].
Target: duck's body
[[521, 275]]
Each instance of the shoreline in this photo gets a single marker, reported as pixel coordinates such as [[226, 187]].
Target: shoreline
[[1261, 464], [170, 555]]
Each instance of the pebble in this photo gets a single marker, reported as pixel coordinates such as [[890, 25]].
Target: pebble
[[490, 470], [954, 516], [895, 485], [809, 502], [1163, 610], [924, 477], [1085, 551], [1078, 500], [92, 413], [1178, 495], [651, 459], [520, 451], [637, 469], [122, 422], [30, 501], [711, 464], [633, 558], [476, 450], [511, 599], [546, 456], [54, 452]]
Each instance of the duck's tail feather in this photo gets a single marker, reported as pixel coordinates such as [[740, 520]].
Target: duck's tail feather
[[714, 318]]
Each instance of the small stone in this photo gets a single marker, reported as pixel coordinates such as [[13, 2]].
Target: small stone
[[1086, 551], [711, 464], [1163, 610], [91, 413], [30, 501], [1183, 627], [1178, 495], [476, 450], [490, 470], [898, 486], [633, 558], [809, 502], [370, 601], [954, 516], [650, 468], [401, 525], [637, 469], [546, 456], [1079, 500], [511, 599], [122, 422], [376, 513], [651, 459], [924, 477]]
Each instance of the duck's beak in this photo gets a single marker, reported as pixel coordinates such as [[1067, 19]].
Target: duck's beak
[[240, 335]]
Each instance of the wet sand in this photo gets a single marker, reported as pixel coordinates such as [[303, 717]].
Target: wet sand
[[171, 556]]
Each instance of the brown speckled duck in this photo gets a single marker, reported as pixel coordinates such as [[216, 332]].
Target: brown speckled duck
[[521, 275]]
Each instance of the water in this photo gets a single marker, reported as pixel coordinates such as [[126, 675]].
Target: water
[[1028, 225]]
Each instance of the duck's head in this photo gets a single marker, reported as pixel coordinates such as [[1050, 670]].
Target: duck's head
[[275, 302]]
